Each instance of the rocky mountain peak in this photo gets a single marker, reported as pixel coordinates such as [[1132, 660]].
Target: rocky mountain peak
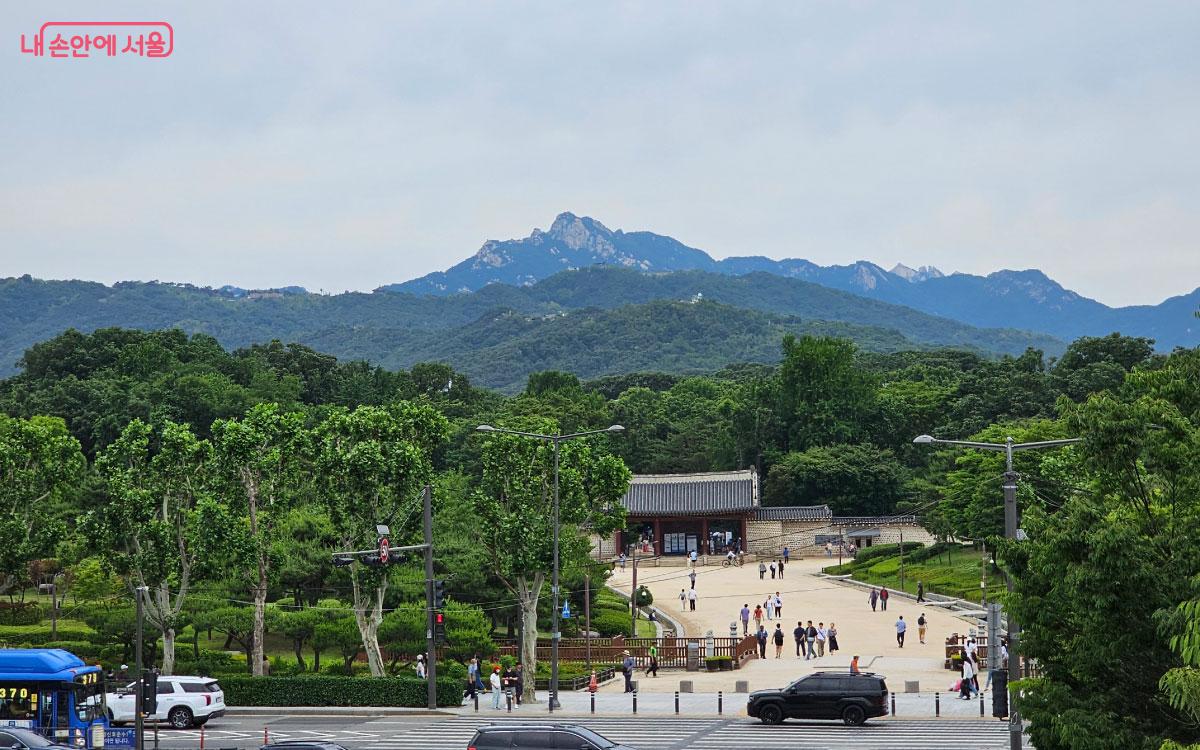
[[581, 233], [924, 273]]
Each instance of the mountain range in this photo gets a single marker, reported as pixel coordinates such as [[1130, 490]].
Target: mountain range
[[1025, 299]]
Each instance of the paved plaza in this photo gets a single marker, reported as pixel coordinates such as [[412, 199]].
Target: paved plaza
[[806, 596]]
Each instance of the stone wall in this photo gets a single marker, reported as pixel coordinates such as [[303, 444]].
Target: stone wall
[[768, 538]]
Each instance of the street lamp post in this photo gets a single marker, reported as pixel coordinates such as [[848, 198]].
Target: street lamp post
[[555, 636], [1008, 447]]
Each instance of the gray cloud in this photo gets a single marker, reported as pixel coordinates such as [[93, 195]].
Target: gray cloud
[[346, 147]]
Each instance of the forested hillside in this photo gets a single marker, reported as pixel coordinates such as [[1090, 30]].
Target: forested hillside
[[515, 326]]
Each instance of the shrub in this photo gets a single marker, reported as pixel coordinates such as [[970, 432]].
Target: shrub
[[18, 613], [37, 635], [644, 598], [85, 650], [337, 691], [609, 623], [210, 663]]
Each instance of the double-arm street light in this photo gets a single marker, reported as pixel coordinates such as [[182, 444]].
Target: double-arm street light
[[1008, 447], [556, 440]]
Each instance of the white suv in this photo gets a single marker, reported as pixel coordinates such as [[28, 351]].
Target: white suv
[[182, 702]]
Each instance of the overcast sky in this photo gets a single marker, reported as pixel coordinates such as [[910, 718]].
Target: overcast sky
[[348, 145]]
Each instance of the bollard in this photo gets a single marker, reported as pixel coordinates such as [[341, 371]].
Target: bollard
[[635, 701], [720, 702], [508, 700], [893, 704], [676, 701], [981, 703], [937, 704], [593, 703], [266, 737], [476, 696], [201, 737]]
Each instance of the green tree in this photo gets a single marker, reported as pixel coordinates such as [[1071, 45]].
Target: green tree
[[40, 467], [515, 523], [372, 462], [301, 626], [155, 483], [825, 397], [240, 625], [856, 480], [260, 459]]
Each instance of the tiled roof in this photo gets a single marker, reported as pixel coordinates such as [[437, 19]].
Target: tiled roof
[[794, 513], [692, 494], [908, 520]]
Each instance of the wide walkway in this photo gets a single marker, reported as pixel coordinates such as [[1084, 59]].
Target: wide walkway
[[871, 635]]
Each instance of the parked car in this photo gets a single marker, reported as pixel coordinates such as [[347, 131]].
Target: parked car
[[540, 736], [182, 702], [15, 737], [853, 698], [303, 745]]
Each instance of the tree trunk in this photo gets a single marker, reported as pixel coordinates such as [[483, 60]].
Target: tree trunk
[[298, 645], [527, 596], [260, 616], [168, 659], [367, 614], [316, 659]]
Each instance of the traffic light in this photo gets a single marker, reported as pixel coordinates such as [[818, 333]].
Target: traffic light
[[149, 692], [342, 561], [439, 628], [371, 560], [439, 594]]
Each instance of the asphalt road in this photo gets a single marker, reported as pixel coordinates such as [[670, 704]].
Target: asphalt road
[[644, 733]]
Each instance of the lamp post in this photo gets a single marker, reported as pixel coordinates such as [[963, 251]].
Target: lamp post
[[556, 440], [1008, 447]]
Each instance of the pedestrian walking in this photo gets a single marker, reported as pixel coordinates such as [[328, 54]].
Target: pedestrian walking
[[762, 642], [974, 675], [772, 566], [769, 606], [828, 549], [509, 680], [778, 602], [832, 638], [682, 600], [810, 636], [692, 577], [420, 666], [472, 677], [519, 685], [920, 591], [873, 598], [758, 617], [778, 641], [921, 626], [621, 559], [785, 554], [781, 568], [968, 674], [762, 570], [798, 634], [627, 667], [479, 686], [901, 626], [691, 595], [883, 597], [822, 638], [854, 665], [692, 560], [745, 616], [652, 668], [496, 685]]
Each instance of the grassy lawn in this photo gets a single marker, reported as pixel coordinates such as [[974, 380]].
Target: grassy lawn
[[956, 574]]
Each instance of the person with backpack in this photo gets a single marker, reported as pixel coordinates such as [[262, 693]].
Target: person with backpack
[[810, 635], [682, 600], [772, 570], [921, 625], [778, 641]]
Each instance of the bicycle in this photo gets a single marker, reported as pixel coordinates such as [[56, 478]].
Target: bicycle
[[738, 561]]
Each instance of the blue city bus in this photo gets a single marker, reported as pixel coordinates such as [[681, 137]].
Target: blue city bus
[[55, 694]]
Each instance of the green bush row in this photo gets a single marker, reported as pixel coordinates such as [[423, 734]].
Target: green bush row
[[20, 613], [39, 635], [337, 691]]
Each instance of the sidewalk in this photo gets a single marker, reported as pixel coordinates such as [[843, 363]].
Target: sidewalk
[[908, 705], [806, 596]]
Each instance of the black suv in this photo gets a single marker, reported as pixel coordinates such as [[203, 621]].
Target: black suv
[[853, 698], [540, 736]]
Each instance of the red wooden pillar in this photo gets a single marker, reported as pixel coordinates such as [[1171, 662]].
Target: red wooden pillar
[[745, 542], [658, 538], [704, 535]]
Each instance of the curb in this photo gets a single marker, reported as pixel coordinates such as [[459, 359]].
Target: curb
[[353, 711]]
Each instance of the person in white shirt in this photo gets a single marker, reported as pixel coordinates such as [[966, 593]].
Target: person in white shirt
[[822, 636], [778, 602], [691, 595], [769, 606], [964, 692], [494, 681]]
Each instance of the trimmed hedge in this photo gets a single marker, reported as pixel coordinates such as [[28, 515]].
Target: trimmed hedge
[[337, 691], [17, 613], [38, 635]]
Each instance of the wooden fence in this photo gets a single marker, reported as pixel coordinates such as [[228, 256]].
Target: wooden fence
[[672, 652]]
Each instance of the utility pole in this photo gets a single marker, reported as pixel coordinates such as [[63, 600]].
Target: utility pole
[[430, 644], [983, 562], [587, 616], [901, 558], [138, 724], [633, 598], [556, 635], [53, 611]]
